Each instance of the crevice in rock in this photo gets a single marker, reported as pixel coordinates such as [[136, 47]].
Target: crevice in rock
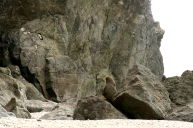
[[130, 114], [24, 70], [8, 56], [4, 55], [52, 94], [109, 93], [27, 75]]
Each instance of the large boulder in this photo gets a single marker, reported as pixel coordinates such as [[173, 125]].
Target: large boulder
[[63, 54], [94, 108], [143, 95], [63, 111]]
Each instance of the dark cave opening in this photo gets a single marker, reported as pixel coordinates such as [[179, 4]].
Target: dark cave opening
[[52, 94]]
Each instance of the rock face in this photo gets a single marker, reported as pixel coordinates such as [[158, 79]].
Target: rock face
[[142, 97], [182, 113], [63, 54], [94, 108], [180, 88], [14, 91], [180, 91], [73, 49]]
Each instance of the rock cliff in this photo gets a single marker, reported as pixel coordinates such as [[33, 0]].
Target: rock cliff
[[74, 42], [103, 52]]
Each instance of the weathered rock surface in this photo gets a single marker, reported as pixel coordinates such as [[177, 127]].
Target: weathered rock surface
[[14, 91], [143, 96], [180, 91], [18, 108], [94, 108], [63, 111], [16, 87], [63, 54], [72, 49], [180, 88], [182, 113], [39, 106]]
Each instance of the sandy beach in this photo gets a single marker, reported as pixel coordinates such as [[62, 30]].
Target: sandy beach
[[34, 123]]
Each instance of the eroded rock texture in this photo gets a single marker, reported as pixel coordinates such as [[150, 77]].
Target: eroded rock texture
[[14, 90], [142, 97], [180, 91], [94, 108], [65, 53], [180, 88], [72, 49]]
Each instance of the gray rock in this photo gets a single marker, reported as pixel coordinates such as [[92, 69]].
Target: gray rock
[[14, 90], [62, 55], [17, 87], [94, 108], [180, 88], [63, 111], [180, 91], [182, 113], [17, 108], [38, 106], [5, 71], [143, 96], [72, 49], [63, 77]]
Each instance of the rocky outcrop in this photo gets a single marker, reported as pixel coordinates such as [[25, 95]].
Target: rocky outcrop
[[73, 49], [142, 97], [182, 113], [13, 85], [180, 88], [180, 91], [14, 91], [94, 108], [63, 54]]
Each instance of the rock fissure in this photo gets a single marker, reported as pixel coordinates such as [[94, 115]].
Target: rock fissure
[[85, 51], [14, 59]]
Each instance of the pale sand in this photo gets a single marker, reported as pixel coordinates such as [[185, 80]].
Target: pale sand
[[37, 115], [34, 123]]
